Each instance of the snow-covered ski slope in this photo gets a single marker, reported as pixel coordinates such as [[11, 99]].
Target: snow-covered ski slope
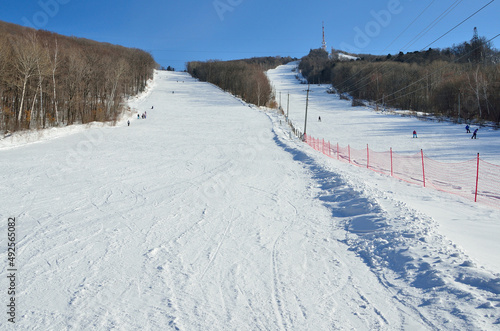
[[210, 215]]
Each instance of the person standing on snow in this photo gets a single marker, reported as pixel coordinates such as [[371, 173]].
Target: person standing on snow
[[128, 123], [415, 134], [474, 134], [467, 127]]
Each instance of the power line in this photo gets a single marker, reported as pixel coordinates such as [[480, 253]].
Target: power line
[[426, 76], [414, 20], [456, 26], [432, 24], [353, 85]]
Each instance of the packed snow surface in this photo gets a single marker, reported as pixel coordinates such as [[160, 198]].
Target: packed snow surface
[[210, 215]]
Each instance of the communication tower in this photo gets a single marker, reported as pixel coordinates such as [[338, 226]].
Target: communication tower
[[323, 44]]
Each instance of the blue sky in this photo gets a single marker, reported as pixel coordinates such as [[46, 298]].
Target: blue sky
[[176, 32]]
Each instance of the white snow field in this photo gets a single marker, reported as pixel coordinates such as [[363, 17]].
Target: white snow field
[[210, 215]]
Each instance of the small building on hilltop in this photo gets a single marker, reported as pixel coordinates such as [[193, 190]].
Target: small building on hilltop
[[342, 56]]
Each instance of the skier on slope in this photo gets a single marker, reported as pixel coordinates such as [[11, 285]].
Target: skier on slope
[[467, 127], [474, 134], [415, 134]]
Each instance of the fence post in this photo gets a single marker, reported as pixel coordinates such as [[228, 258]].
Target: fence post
[[349, 152], [392, 172], [367, 157], [338, 152], [423, 168], [477, 177], [329, 149], [323, 146]]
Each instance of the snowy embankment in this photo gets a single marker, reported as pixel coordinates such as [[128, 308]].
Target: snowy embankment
[[210, 215]]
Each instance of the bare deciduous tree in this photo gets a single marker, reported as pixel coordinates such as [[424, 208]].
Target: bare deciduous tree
[[27, 55], [48, 80]]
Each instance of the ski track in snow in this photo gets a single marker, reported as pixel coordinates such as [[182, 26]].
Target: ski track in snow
[[224, 221]]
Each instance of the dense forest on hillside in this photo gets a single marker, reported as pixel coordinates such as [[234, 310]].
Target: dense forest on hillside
[[462, 81], [48, 80], [244, 78]]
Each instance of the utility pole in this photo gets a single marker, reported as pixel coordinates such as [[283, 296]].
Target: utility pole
[[307, 103], [459, 104], [376, 103], [288, 106]]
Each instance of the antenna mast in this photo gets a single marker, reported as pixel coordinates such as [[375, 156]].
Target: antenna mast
[[323, 44]]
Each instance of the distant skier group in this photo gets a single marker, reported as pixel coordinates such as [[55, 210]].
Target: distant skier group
[[139, 116], [467, 128], [474, 134]]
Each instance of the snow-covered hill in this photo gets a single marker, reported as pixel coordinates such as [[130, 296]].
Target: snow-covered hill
[[210, 215]]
